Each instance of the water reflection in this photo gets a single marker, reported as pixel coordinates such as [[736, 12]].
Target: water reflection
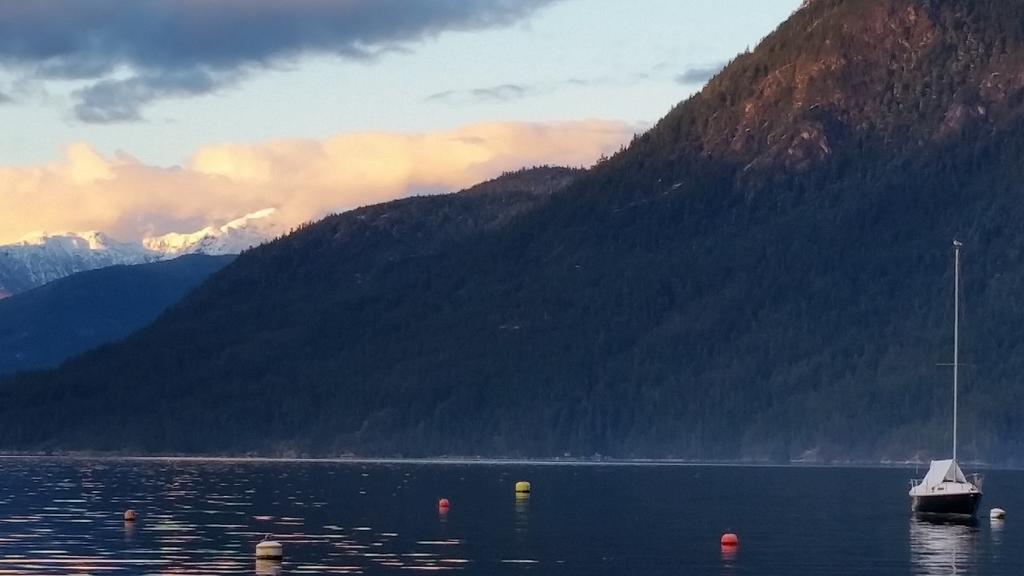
[[522, 521], [943, 547], [729, 558], [64, 516], [205, 518]]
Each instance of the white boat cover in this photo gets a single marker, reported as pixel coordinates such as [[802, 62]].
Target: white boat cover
[[944, 477], [943, 471]]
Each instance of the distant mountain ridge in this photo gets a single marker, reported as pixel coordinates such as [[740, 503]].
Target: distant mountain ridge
[[40, 258], [232, 238], [42, 327], [762, 276]]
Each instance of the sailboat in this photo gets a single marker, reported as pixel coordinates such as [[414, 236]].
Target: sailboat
[[945, 490]]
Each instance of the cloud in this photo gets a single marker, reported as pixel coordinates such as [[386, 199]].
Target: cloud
[[190, 47], [699, 75], [121, 100], [303, 179], [515, 91], [500, 93]]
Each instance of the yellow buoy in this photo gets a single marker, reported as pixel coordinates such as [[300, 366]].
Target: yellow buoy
[[522, 487]]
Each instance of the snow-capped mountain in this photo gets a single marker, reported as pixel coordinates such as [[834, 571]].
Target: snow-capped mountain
[[41, 257], [231, 238]]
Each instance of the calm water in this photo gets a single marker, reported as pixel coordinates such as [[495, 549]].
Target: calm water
[[64, 517]]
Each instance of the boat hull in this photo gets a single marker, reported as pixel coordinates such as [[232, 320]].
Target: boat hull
[[947, 504]]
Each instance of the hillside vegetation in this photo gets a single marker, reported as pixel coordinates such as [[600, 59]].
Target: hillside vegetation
[[49, 324], [765, 274]]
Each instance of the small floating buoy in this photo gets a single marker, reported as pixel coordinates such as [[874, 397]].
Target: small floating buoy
[[269, 549], [129, 515], [729, 539], [997, 514], [443, 505], [268, 568], [522, 487]]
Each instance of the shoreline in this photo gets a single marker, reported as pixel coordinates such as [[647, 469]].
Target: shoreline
[[474, 461]]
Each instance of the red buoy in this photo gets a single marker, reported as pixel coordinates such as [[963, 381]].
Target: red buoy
[[443, 505], [729, 539]]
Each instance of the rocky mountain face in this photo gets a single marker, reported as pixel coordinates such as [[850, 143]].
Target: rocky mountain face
[[764, 275], [842, 73]]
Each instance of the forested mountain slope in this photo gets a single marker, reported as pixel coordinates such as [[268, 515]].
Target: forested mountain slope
[[765, 274], [49, 324]]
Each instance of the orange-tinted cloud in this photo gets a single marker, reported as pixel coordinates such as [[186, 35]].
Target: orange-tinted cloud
[[303, 179]]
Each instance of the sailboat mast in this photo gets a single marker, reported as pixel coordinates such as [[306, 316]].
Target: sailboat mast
[[956, 336]]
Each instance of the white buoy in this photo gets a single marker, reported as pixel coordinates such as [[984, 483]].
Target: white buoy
[[268, 568], [997, 514], [269, 549]]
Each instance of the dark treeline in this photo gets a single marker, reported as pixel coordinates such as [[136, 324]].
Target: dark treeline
[[766, 274]]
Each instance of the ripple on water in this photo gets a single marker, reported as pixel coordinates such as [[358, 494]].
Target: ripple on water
[[193, 519]]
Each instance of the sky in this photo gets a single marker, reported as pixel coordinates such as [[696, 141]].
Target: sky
[[143, 117]]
